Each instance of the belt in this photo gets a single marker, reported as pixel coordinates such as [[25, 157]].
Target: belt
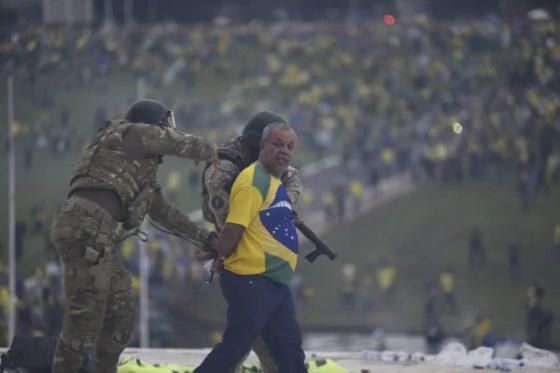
[[107, 226]]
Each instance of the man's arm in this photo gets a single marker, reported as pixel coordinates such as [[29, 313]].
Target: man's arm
[[148, 140], [175, 221], [245, 202], [293, 184], [227, 241]]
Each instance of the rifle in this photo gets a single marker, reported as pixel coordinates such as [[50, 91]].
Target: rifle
[[321, 248]]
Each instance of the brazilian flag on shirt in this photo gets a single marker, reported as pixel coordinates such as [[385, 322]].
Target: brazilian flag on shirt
[[269, 245]]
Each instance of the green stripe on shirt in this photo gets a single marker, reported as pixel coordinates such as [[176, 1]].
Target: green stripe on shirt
[[261, 180], [277, 269]]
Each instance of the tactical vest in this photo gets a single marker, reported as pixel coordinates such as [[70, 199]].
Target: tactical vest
[[105, 165], [234, 151]]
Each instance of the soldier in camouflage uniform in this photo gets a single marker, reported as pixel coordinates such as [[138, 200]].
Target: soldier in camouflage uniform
[[217, 180], [113, 187]]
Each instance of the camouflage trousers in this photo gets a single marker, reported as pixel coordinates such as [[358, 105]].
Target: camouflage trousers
[[100, 307], [266, 359], [268, 365]]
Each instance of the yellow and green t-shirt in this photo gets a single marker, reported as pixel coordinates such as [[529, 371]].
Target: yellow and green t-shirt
[[269, 245]]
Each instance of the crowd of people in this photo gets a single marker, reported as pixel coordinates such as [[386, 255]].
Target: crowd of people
[[446, 100]]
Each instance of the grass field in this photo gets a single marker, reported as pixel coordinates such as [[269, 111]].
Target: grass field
[[422, 234]]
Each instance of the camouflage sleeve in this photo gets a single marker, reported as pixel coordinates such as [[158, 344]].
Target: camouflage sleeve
[[218, 179], [293, 184], [155, 140], [175, 221]]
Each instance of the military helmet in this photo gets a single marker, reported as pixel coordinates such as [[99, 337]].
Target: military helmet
[[253, 130], [151, 112]]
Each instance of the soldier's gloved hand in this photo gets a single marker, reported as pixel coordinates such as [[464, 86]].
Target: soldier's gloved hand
[[207, 251], [218, 265], [203, 255]]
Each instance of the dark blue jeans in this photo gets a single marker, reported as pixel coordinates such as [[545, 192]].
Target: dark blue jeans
[[257, 305]]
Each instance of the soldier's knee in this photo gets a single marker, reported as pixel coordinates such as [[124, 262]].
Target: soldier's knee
[[116, 344], [76, 344], [265, 356]]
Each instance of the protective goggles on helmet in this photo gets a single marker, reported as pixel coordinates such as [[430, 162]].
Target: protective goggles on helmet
[[170, 119]]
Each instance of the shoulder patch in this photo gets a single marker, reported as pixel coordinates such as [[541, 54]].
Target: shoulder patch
[[217, 202]]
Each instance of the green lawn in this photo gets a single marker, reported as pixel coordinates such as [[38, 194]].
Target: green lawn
[[424, 233]]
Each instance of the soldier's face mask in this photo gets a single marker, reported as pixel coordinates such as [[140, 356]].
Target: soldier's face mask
[[170, 119]]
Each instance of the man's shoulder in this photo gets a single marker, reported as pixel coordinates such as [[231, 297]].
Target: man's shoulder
[[261, 179], [254, 176], [246, 175]]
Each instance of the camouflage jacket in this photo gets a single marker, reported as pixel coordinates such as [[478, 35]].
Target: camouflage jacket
[[124, 157], [218, 178]]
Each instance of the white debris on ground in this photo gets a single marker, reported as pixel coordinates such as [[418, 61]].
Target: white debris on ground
[[454, 358]]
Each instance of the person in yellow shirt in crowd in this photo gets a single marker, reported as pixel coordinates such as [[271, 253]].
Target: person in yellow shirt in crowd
[[349, 284], [173, 185], [481, 333], [129, 255], [447, 286], [386, 276], [329, 206], [357, 195], [388, 157], [556, 242], [4, 307]]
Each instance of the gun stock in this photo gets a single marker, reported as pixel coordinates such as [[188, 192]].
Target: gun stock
[[320, 246]]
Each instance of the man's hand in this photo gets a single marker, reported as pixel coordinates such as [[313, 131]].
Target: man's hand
[[203, 255], [208, 250]]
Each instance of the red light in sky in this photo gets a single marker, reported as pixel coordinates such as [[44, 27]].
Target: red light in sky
[[389, 19]]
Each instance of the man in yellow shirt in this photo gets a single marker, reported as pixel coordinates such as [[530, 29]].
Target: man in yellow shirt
[[259, 246]]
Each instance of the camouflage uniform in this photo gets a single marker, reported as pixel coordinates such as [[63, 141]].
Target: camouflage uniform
[[113, 186], [217, 180]]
